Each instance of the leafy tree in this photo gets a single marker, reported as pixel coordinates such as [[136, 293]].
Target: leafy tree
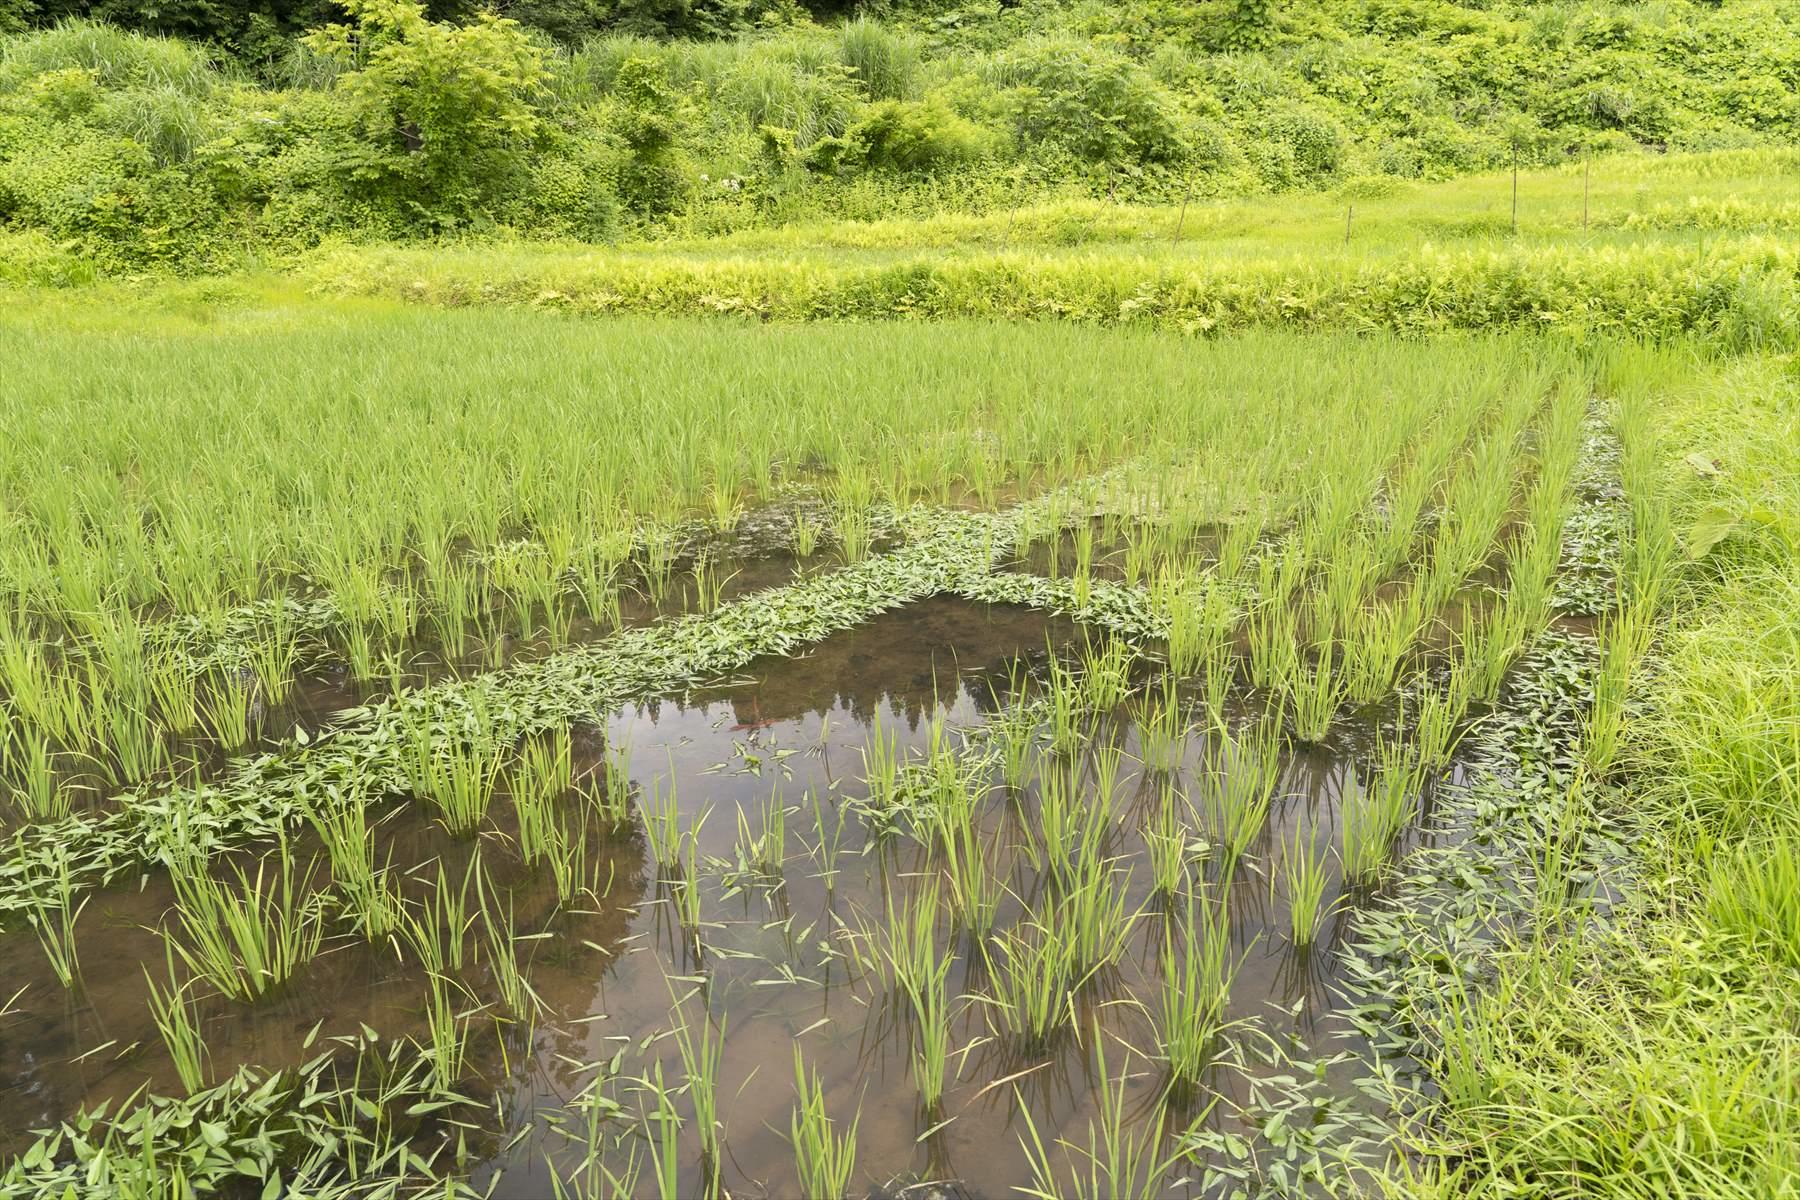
[[443, 113]]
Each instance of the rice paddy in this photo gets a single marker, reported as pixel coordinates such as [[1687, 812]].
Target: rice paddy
[[486, 753]]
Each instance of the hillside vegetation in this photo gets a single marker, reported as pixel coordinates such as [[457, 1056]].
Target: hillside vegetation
[[132, 150]]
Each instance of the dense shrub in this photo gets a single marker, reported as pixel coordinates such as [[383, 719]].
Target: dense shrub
[[904, 135], [654, 177], [1302, 146], [887, 65], [439, 115], [1098, 103]]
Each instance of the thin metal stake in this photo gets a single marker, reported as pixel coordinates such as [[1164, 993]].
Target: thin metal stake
[[1515, 214]]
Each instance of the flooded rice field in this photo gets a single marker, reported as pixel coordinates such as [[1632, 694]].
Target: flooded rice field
[[995, 883], [1045, 851]]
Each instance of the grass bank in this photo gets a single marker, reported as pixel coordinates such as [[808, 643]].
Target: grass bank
[[1658, 1053]]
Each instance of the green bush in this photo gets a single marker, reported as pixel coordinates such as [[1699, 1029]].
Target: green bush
[[1098, 103], [1748, 295], [441, 115], [913, 136], [1305, 146], [115, 57], [403, 124]]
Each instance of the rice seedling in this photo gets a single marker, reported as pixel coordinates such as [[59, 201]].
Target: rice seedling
[[708, 583], [1105, 675], [1371, 816], [901, 946], [1069, 827], [1013, 733], [803, 534], [1316, 694], [1433, 719], [592, 1178], [178, 1022], [920, 973], [881, 766], [1197, 613], [135, 744], [1195, 987], [248, 939], [1064, 700], [358, 646], [1558, 857], [1162, 729], [498, 947], [1217, 675], [1169, 842], [55, 926], [684, 886], [367, 891], [1031, 984], [273, 655], [975, 889], [31, 762], [824, 1158], [1091, 917], [436, 932], [1304, 878], [701, 1055], [1372, 659], [1274, 645], [610, 796], [1486, 654], [855, 529], [543, 774], [1240, 539], [662, 824], [455, 778], [446, 1044], [1124, 1159], [661, 549], [573, 869], [1243, 776], [767, 851], [662, 1137], [1623, 641], [225, 709], [825, 848]]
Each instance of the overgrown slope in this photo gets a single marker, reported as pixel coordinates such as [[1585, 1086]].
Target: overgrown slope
[[137, 151]]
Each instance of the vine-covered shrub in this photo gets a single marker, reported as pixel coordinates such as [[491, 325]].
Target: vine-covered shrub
[[1096, 103]]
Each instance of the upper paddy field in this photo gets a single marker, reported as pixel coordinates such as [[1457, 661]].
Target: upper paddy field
[[1225, 699]]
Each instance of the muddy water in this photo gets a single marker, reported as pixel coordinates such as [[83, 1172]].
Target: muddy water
[[324, 687], [770, 950]]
